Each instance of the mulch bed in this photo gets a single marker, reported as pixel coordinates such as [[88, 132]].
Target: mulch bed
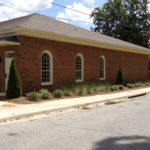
[[24, 100]]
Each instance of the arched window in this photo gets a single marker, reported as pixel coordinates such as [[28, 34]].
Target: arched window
[[79, 68], [47, 68], [102, 72]]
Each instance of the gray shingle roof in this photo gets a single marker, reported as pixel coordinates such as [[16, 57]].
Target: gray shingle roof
[[43, 23]]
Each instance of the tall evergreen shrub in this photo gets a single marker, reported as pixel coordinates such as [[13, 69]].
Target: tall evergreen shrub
[[119, 78], [14, 86]]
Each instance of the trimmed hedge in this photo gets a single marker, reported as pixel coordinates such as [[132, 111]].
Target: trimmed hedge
[[119, 78], [83, 89], [129, 85], [58, 93], [34, 96], [45, 94]]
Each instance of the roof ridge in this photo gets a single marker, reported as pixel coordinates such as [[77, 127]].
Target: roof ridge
[[28, 18], [13, 19]]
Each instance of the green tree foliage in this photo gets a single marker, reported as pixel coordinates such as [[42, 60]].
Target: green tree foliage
[[119, 78], [128, 20], [14, 87]]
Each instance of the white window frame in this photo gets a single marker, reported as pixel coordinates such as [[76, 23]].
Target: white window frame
[[51, 68], [82, 66], [104, 60]]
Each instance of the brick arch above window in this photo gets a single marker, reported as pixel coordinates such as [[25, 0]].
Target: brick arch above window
[[46, 68]]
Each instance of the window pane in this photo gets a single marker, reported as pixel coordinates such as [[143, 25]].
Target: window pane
[[45, 68], [78, 68], [45, 62], [78, 75], [101, 68]]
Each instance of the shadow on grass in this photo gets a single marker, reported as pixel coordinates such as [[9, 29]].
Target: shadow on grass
[[124, 143]]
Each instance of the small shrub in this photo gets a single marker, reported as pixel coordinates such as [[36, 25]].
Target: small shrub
[[67, 92], [129, 85], [121, 87], [70, 93], [103, 88], [137, 84], [83, 91], [90, 91], [14, 86], [147, 84], [34, 96], [58, 93], [125, 83], [77, 90], [45, 94], [97, 89], [119, 78], [111, 88], [108, 88], [114, 88]]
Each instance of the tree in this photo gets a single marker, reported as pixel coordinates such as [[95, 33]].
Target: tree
[[128, 20], [119, 78], [14, 87]]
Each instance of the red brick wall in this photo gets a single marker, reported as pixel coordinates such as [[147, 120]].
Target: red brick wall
[[28, 56], [2, 70], [148, 74]]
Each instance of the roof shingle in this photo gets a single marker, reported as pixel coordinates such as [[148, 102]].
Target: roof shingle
[[43, 23]]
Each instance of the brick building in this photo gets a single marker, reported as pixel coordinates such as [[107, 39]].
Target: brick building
[[51, 54]]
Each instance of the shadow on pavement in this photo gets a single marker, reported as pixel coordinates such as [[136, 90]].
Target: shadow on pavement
[[124, 143]]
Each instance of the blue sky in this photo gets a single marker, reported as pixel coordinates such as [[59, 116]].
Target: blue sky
[[46, 8]]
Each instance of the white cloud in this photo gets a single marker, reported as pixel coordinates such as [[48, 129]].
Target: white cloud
[[91, 2], [62, 15], [29, 5], [72, 15]]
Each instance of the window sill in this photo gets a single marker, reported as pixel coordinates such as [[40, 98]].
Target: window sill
[[46, 83], [102, 79], [78, 81]]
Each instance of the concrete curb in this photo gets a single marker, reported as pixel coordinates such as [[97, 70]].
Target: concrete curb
[[23, 116], [28, 115]]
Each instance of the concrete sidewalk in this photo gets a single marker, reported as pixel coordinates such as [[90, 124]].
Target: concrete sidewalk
[[27, 110]]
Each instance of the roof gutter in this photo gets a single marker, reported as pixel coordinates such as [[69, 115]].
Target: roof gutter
[[8, 41], [5, 43]]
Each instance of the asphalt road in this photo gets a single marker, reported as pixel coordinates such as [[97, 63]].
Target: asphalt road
[[123, 126]]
